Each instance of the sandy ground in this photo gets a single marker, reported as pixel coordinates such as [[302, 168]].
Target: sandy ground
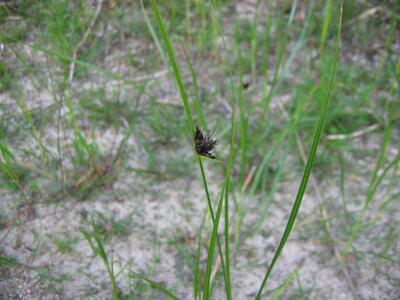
[[164, 213], [164, 217]]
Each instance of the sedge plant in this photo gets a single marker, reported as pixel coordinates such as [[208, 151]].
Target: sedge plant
[[225, 190]]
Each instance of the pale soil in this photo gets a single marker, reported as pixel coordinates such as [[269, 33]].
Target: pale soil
[[166, 213]]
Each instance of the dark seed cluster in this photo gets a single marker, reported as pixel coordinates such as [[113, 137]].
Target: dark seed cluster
[[204, 143]]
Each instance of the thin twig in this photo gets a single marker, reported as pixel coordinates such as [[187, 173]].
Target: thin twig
[[366, 14], [60, 105], [155, 75], [215, 268], [83, 40], [352, 135], [248, 179]]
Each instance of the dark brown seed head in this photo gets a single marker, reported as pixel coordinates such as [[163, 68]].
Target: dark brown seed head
[[204, 143]]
